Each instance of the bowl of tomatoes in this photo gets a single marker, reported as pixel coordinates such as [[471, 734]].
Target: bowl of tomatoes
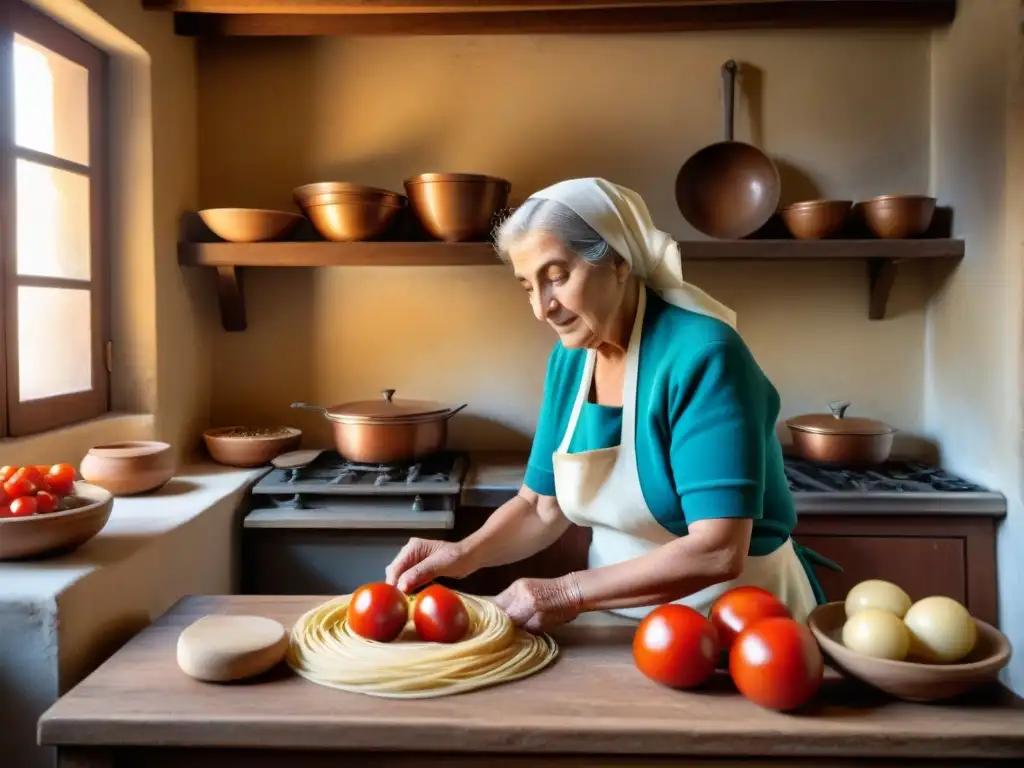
[[44, 510]]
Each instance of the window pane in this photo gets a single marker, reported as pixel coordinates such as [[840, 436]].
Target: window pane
[[51, 102], [54, 341], [52, 222]]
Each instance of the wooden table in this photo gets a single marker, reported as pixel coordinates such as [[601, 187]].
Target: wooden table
[[591, 708]]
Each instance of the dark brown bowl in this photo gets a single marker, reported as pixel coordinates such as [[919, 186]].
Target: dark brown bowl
[[898, 216], [457, 207], [816, 219]]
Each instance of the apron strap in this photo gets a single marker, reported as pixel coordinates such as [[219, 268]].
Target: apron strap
[[808, 559]]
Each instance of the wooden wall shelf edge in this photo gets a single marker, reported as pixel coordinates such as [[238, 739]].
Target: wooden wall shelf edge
[[226, 260], [229, 18]]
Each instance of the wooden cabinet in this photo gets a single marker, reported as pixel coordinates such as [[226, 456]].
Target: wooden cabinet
[[951, 555]]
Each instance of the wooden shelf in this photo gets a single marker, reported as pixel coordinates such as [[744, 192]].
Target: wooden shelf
[[224, 18], [883, 258]]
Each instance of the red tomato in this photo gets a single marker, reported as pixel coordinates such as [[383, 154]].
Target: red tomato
[[61, 479], [378, 612], [6, 472], [439, 615], [777, 664], [676, 646], [5, 510], [24, 506], [740, 608], [46, 502], [21, 483]]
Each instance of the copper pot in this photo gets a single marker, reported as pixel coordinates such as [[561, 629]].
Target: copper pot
[[835, 439], [387, 431]]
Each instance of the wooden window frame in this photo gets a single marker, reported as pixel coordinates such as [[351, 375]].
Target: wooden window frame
[[19, 418]]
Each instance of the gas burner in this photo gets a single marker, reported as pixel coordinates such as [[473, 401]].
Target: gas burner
[[891, 477], [332, 475]]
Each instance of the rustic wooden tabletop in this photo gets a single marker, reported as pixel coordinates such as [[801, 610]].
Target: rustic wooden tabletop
[[591, 701]]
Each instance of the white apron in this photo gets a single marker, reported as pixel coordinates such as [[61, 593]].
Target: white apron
[[601, 490]]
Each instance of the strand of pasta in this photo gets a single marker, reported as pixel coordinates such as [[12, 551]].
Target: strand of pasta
[[324, 650]]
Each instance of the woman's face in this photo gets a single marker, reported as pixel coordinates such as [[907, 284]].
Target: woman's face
[[576, 298]]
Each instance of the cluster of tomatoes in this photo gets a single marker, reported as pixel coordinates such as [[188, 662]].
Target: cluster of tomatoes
[[380, 612], [773, 659], [32, 490]]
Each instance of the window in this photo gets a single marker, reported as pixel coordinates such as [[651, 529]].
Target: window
[[53, 238]]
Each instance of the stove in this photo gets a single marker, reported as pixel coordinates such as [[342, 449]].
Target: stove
[[332, 492], [895, 486]]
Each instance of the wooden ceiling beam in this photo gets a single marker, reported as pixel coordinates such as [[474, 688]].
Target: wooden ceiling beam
[[568, 18]]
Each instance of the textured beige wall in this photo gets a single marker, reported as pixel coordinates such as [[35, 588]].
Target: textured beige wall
[[976, 325], [845, 114]]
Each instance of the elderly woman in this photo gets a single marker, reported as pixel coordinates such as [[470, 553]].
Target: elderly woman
[[657, 430]]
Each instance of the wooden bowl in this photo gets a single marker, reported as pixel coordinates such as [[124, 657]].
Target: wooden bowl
[[816, 219], [54, 532], [250, 446], [898, 216], [248, 225], [457, 207], [909, 680], [129, 468]]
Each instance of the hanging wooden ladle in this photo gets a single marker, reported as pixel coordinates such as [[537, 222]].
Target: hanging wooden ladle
[[729, 189]]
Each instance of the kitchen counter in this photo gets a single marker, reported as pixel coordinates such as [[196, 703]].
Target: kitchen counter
[[495, 477], [139, 709]]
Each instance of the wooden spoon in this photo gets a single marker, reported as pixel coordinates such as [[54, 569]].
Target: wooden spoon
[[296, 459]]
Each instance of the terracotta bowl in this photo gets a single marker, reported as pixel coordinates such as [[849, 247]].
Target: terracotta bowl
[[816, 219], [62, 531], [898, 216], [906, 679], [128, 468], [248, 225], [250, 446]]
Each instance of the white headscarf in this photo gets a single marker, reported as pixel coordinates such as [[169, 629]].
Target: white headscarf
[[620, 216]]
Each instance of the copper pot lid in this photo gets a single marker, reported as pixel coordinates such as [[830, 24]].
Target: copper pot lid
[[387, 410], [836, 423]]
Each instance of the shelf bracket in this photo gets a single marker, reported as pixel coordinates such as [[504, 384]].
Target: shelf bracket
[[231, 299], [881, 277]]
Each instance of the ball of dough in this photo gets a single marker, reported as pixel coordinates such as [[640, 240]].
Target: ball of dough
[[875, 593], [223, 648], [941, 630], [877, 633]]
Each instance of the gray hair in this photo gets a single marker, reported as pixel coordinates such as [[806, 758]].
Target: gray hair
[[557, 219]]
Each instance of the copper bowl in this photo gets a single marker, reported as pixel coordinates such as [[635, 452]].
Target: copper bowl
[[344, 212], [816, 219], [898, 216], [248, 225], [308, 193], [457, 207], [908, 680], [250, 446]]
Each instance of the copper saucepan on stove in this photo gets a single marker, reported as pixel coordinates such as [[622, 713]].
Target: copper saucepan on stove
[[838, 440], [389, 430]]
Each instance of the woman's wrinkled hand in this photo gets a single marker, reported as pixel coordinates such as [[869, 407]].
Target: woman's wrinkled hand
[[538, 605], [423, 560]]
